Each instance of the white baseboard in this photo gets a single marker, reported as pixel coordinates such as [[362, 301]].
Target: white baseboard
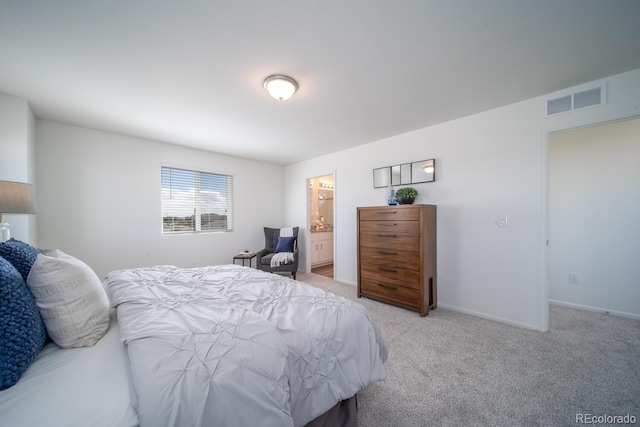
[[490, 317], [595, 309], [523, 325], [346, 282]]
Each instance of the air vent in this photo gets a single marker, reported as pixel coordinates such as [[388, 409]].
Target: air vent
[[587, 98], [559, 105], [577, 100]]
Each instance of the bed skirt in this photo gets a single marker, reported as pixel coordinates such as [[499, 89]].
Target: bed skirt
[[343, 414]]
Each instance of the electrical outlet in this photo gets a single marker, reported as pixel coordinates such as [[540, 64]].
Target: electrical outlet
[[574, 278]]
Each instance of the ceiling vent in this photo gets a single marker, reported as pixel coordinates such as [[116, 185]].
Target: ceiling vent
[[577, 100]]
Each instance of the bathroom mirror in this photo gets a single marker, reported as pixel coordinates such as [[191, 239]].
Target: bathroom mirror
[[325, 207], [381, 177], [423, 171], [395, 175]]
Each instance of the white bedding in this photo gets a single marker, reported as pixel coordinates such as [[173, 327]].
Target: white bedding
[[234, 346], [73, 387]]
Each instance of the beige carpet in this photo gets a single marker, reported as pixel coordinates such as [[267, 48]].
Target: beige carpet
[[451, 369]]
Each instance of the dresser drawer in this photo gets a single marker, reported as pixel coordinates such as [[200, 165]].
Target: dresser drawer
[[412, 227], [387, 274], [390, 240], [389, 214], [391, 258], [389, 292]]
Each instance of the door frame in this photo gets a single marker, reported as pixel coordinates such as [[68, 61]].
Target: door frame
[[307, 263]]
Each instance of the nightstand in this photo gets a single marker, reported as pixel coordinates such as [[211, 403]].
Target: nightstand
[[244, 256]]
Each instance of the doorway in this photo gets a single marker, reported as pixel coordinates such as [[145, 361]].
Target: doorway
[[593, 206], [321, 208]]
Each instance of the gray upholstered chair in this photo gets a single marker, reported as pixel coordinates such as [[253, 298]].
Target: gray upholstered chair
[[263, 257]]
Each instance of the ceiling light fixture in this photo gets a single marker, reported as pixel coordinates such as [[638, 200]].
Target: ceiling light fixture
[[280, 87]]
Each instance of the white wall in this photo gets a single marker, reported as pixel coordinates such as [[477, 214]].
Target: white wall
[[487, 165], [483, 170], [99, 200], [17, 158], [594, 211]]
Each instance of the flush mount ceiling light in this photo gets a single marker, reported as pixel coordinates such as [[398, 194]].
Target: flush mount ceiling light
[[280, 87]]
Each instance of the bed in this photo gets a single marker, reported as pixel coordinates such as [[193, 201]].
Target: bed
[[73, 387], [220, 345]]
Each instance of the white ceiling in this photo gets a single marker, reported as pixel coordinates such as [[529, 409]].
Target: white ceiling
[[190, 72]]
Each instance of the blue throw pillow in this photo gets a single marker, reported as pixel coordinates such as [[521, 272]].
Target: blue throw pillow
[[20, 254], [22, 332], [285, 244]]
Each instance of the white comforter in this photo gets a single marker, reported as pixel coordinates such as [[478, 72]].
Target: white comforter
[[234, 346]]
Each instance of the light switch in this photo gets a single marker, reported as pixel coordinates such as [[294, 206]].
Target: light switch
[[503, 221]]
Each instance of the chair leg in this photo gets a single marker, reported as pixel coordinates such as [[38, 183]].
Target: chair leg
[[294, 275]]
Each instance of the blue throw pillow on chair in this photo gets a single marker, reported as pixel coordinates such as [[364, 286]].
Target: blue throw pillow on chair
[[285, 244]]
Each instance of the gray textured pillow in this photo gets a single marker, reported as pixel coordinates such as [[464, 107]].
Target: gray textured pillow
[[70, 298]]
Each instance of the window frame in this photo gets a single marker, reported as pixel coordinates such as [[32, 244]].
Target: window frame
[[187, 194]]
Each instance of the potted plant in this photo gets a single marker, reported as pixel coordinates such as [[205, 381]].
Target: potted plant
[[406, 195]]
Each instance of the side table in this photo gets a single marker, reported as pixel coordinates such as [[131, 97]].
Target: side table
[[244, 256]]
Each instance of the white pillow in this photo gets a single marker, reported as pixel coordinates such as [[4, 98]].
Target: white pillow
[[70, 298]]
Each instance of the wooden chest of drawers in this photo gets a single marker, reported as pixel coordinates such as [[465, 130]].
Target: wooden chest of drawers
[[397, 255]]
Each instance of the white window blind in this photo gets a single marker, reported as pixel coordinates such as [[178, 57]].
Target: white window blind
[[195, 201]]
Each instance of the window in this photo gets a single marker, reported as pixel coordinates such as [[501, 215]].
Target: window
[[196, 201]]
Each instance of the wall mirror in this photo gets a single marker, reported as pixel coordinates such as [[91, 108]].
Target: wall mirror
[[395, 175], [423, 171], [401, 174], [381, 177], [405, 173]]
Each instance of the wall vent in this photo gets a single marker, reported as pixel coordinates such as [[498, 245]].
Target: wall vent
[[577, 100]]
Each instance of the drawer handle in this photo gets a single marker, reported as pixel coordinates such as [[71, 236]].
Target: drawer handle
[[389, 225], [387, 253], [387, 213], [388, 235], [387, 270], [382, 285]]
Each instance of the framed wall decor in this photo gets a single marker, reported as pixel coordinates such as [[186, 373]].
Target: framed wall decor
[[423, 171], [395, 175], [381, 177], [405, 173]]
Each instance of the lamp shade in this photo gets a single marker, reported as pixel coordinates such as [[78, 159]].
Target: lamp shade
[[17, 197], [280, 87]]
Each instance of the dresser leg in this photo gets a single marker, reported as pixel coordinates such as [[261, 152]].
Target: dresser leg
[[433, 297]]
